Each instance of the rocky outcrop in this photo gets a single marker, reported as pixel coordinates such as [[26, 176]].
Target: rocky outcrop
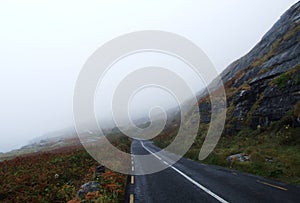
[[264, 85], [279, 45]]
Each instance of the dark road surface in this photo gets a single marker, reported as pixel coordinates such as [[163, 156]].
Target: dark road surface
[[190, 181]]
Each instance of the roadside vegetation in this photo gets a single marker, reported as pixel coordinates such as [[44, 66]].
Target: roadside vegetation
[[274, 151], [56, 176]]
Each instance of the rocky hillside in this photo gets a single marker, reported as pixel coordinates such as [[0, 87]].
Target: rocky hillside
[[263, 115], [264, 86]]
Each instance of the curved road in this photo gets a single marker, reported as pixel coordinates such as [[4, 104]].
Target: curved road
[[190, 181]]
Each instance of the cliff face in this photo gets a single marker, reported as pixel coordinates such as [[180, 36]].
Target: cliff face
[[264, 85]]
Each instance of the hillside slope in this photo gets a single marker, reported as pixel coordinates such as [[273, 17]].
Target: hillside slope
[[263, 107], [264, 85]]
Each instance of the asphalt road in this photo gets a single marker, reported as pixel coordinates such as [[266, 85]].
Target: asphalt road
[[190, 181]]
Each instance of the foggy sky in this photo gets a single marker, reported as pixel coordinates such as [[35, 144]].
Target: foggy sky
[[44, 44]]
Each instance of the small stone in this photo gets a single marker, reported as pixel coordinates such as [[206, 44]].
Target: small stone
[[99, 170], [89, 187]]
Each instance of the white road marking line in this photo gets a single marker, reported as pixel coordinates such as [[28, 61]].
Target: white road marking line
[[153, 154], [220, 199]]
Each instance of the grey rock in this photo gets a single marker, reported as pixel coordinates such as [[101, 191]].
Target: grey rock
[[92, 186], [205, 111], [264, 100], [286, 22], [238, 157], [99, 170]]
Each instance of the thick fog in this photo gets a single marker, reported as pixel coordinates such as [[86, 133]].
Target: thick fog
[[44, 44]]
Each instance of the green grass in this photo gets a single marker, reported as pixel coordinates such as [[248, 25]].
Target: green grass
[[281, 80], [281, 145], [280, 142]]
